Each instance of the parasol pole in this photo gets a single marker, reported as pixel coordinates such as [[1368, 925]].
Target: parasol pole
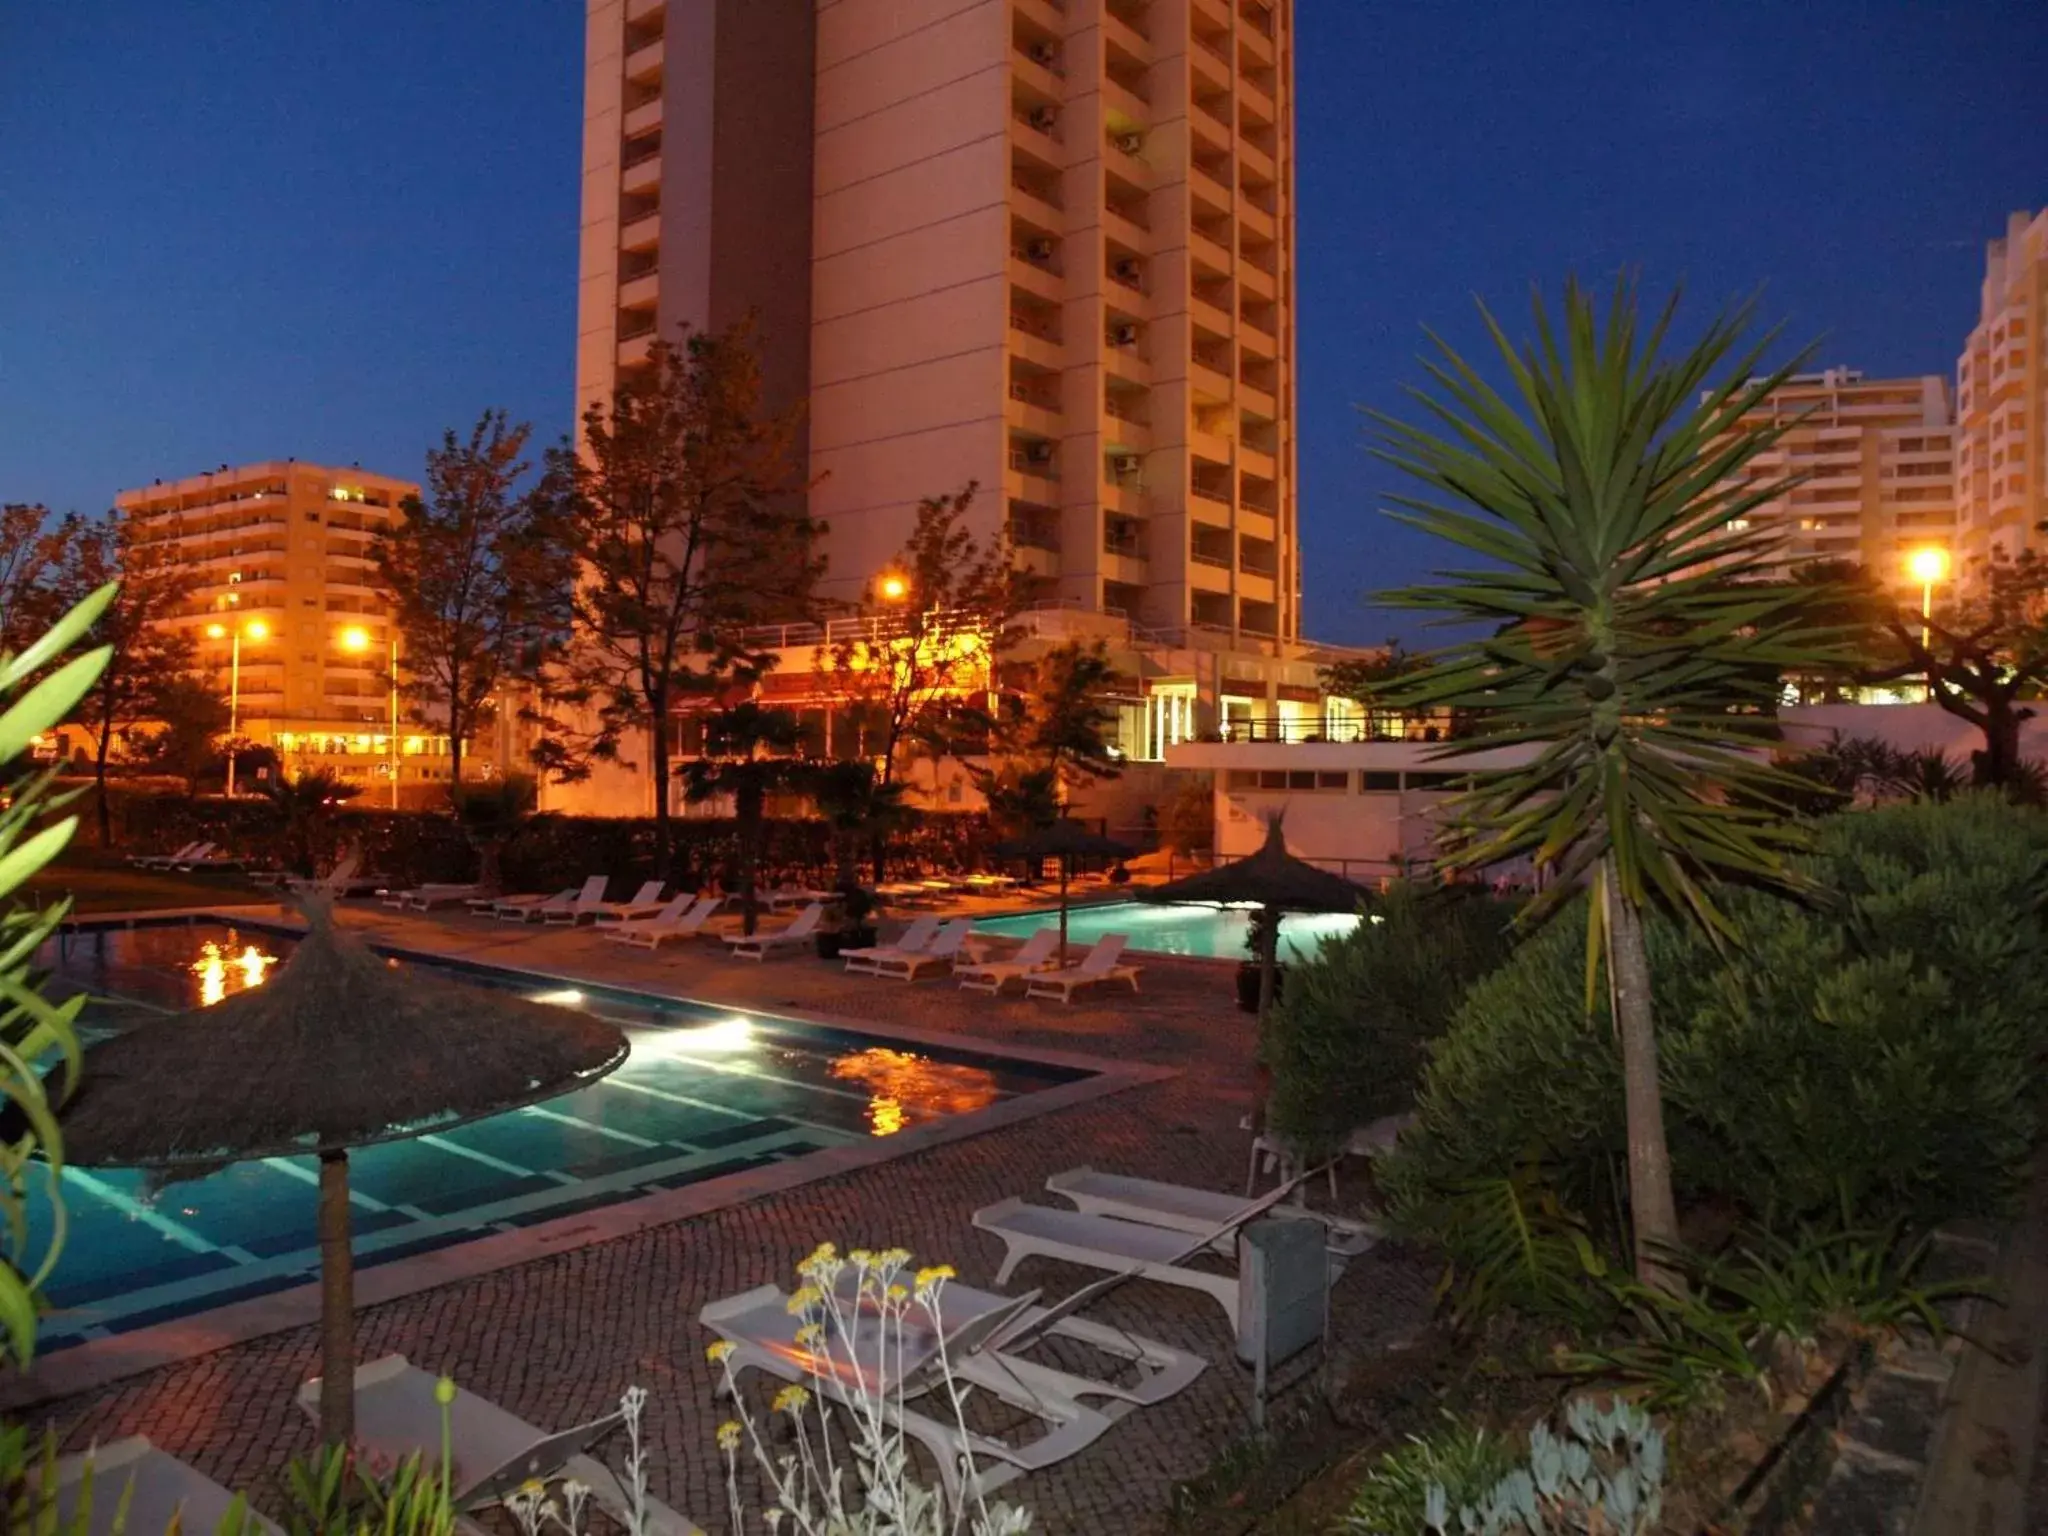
[[337, 1304], [1063, 911]]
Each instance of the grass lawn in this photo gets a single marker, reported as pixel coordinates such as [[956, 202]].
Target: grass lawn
[[103, 882]]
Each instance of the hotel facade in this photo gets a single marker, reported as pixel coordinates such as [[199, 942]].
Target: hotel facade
[[286, 617], [1043, 247], [2002, 399]]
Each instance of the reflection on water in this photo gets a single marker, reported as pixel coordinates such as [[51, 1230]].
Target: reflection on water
[[221, 969], [903, 1084]]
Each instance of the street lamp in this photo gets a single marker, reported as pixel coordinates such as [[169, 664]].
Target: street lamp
[[258, 631], [894, 588], [1927, 565], [357, 639]]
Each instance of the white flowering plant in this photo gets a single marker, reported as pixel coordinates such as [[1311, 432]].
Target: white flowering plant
[[866, 1486]]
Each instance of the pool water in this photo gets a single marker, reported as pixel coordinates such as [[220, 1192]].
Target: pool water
[[705, 1092], [1215, 932]]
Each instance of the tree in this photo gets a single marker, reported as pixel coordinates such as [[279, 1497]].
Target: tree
[[475, 582], [303, 807], [737, 765], [1982, 656], [934, 623], [142, 647], [1366, 680], [1053, 717], [193, 719], [862, 810], [687, 521], [1637, 647], [490, 815], [29, 554]]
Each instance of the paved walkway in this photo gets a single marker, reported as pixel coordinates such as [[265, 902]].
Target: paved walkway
[[555, 1340]]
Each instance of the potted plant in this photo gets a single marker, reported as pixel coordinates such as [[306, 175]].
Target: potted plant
[[1248, 968]]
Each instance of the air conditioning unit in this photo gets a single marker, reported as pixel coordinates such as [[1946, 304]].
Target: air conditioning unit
[[1043, 53], [1130, 143], [1041, 250], [1038, 453], [1019, 392], [1043, 118], [1125, 271], [1125, 465], [1124, 335]]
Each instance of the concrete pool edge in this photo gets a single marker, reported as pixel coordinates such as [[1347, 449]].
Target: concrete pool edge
[[99, 1363]]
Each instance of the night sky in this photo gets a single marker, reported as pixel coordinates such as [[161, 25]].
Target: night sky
[[232, 231]]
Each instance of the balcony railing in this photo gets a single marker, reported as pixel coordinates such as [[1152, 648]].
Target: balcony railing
[[1373, 725]]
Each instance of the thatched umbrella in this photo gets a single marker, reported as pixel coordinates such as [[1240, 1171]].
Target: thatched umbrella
[[339, 1050], [1275, 880], [1065, 840]]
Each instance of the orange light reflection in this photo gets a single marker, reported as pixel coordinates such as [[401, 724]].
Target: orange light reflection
[[904, 1085]]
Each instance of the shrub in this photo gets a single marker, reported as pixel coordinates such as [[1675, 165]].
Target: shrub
[[1346, 1041], [1464, 1461], [1866, 1060]]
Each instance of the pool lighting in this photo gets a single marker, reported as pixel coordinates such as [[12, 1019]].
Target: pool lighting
[[562, 997], [722, 1037]]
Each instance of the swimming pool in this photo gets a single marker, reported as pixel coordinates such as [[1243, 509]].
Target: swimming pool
[[705, 1092], [1215, 932]]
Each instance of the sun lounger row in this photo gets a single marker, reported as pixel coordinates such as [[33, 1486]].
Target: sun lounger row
[[928, 946]]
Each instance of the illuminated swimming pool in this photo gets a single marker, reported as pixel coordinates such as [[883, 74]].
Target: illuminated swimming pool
[[1214, 932], [705, 1092]]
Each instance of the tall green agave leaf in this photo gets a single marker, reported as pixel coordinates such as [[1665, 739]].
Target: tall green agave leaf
[[34, 1032], [1633, 638]]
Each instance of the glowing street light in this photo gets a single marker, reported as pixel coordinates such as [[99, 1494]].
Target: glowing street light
[[253, 629], [1927, 565], [357, 640], [894, 588]]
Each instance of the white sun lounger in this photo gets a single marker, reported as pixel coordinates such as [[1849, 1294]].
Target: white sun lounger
[[759, 946], [192, 850], [588, 903], [759, 1326], [212, 859], [523, 909], [647, 902], [683, 918], [914, 940], [936, 956], [1128, 1249], [160, 1490], [994, 975], [1098, 965], [493, 1451], [1183, 1208], [424, 898]]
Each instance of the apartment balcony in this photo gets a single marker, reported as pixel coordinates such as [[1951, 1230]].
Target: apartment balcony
[[1257, 282], [1125, 110], [1034, 276], [1025, 481], [1127, 498], [635, 352], [1206, 575], [1126, 568], [1256, 461], [1033, 417], [1254, 338], [1127, 362], [1034, 203], [1257, 221], [1256, 163], [1125, 432], [1212, 254], [643, 65], [1209, 316], [642, 178], [1122, 36], [1036, 131], [1035, 559], [1046, 15], [641, 234], [1256, 104], [1208, 190], [1036, 339], [1257, 523], [640, 292], [644, 118], [1259, 402], [1209, 384], [1210, 66], [1213, 446], [1046, 76], [1255, 587]]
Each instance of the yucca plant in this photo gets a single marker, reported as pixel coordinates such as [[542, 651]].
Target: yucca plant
[[1633, 640]]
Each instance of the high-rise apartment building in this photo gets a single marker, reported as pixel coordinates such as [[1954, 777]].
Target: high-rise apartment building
[[2002, 398], [1046, 247], [1875, 461], [285, 614]]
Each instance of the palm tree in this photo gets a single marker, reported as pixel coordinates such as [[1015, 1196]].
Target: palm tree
[[736, 765], [304, 806], [860, 807], [1635, 642], [490, 815]]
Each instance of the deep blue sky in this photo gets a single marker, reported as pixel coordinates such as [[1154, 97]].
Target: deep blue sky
[[232, 231]]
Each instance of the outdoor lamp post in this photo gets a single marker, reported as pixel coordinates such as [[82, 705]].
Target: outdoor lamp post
[[256, 630], [357, 640], [1927, 565]]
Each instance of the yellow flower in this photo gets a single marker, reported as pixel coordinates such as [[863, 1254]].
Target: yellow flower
[[810, 1334], [927, 1278], [533, 1487], [893, 1258], [860, 1258], [824, 1253], [790, 1400], [720, 1352], [806, 1297], [897, 1293], [444, 1391], [729, 1435]]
